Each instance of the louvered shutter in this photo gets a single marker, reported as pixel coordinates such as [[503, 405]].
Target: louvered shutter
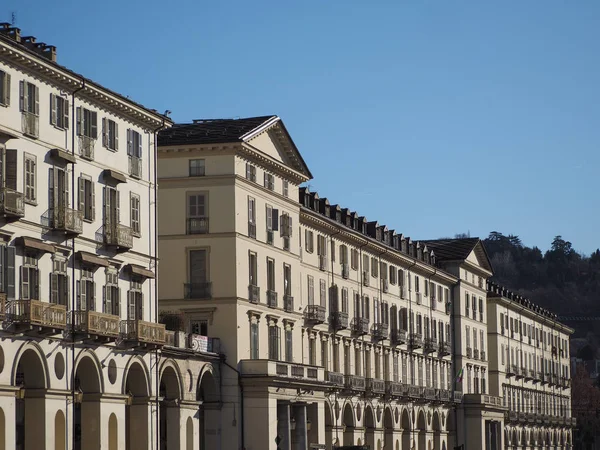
[[10, 273], [53, 109], [269, 218], [37, 100], [129, 143], [11, 169], [54, 288], [66, 114], [92, 201], [94, 128], [79, 120], [104, 132], [24, 283], [22, 96], [116, 128], [67, 291], [275, 219], [81, 203], [117, 207], [35, 284], [91, 292], [139, 146], [290, 229], [106, 205], [6, 90]]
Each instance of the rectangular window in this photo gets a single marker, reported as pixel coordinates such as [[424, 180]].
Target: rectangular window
[[198, 264], [134, 144], [274, 342], [135, 215], [270, 274], [199, 327], [135, 302], [312, 352], [374, 268], [253, 269], [311, 290], [354, 259], [480, 309], [322, 292], [86, 290], [481, 340], [417, 286], [59, 282], [110, 134], [30, 277], [289, 348], [393, 275], [29, 98], [29, 181], [196, 168], [287, 279], [59, 111], [286, 188], [253, 340], [309, 241], [251, 210], [467, 302], [250, 172], [4, 88], [87, 123], [468, 336], [269, 181], [7, 271], [345, 300], [111, 293], [87, 198]]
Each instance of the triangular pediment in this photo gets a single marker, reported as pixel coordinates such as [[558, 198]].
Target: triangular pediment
[[479, 257], [272, 140]]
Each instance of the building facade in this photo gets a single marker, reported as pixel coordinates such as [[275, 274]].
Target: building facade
[[335, 330], [83, 362]]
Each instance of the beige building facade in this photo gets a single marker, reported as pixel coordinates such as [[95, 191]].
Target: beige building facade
[[83, 362]]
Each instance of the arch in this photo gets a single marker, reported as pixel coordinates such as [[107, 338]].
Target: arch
[[30, 361], [137, 369], [208, 394], [436, 427], [113, 433], [207, 388], [388, 428], [60, 432], [369, 423], [91, 380], [170, 388], [170, 378], [189, 434], [88, 379], [136, 383], [450, 427], [422, 430], [405, 425], [348, 424]]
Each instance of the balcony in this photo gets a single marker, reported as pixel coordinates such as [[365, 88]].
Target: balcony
[[511, 416], [444, 348], [270, 237], [288, 303], [322, 262], [354, 383], [475, 353], [118, 236], [360, 326], [429, 345], [444, 395], [36, 316], [135, 167], [335, 378], [415, 340], [86, 147], [482, 354], [393, 388], [484, 399], [253, 293], [271, 299], [414, 392], [339, 320], [345, 271], [565, 382], [529, 374], [143, 334], [457, 397], [379, 331], [398, 337], [469, 352], [279, 369], [94, 325], [429, 393], [66, 220], [2, 305], [375, 386], [543, 378], [11, 203], [252, 230], [30, 124], [197, 225], [198, 290], [314, 313]]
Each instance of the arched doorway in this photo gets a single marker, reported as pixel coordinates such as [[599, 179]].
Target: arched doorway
[[348, 427], [436, 427], [30, 407], [406, 429], [87, 407], [169, 393], [388, 426], [136, 411], [370, 427], [113, 433], [422, 430], [60, 438], [209, 412]]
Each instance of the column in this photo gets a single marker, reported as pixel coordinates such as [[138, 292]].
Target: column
[[283, 425]]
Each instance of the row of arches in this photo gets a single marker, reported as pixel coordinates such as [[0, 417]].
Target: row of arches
[[538, 437]]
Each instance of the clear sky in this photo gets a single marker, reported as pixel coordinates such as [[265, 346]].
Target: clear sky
[[433, 117]]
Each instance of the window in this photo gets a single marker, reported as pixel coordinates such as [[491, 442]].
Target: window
[[468, 336], [502, 354], [309, 241], [322, 292], [199, 327], [365, 267], [289, 352], [29, 96], [343, 255], [480, 309], [29, 182], [374, 268], [269, 181], [4, 88], [474, 305], [417, 286], [270, 274], [393, 275], [253, 340], [197, 168], [345, 300], [87, 198], [354, 259], [419, 324], [252, 217], [59, 282], [311, 290], [86, 290], [332, 250], [197, 220], [87, 123], [467, 304], [321, 245], [134, 143], [274, 341], [253, 269], [59, 111], [30, 278], [285, 188], [475, 339], [312, 351], [7, 271], [250, 172], [8, 170], [135, 215], [111, 293], [198, 274], [287, 279], [59, 198], [111, 201], [135, 301], [110, 134]]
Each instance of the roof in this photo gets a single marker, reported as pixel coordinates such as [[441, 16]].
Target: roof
[[459, 250]]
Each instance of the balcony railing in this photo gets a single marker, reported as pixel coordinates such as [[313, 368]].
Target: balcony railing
[[30, 124], [429, 393], [253, 293], [345, 271], [354, 382], [339, 320], [511, 370], [118, 235], [322, 262], [475, 353], [482, 355], [2, 305], [444, 395], [379, 331], [135, 167], [360, 325], [398, 337], [415, 392], [143, 332], [95, 323], [416, 340], [197, 225], [170, 340], [269, 368], [375, 386], [37, 313], [86, 147], [428, 345], [252, 230], [272, 299], [469, 352], [12, 203], [444, 348], [457, 397], [393, 388], [315, 313], [366, 276], [335, 378], [198, 290], [67, 220], [565, 382], [288, 303]]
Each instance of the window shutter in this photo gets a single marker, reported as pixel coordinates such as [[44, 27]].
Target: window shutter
[[11, 169], [116, 136], [117, 303], [93, 201], [106, 205], [139, 148], [6, 90], [53, 109], [54, 288], [91, 292], [10, 273], [78, 126], [269, 218], [34, 284], [22, 96], [104, 133], [129, 143], [275, 220], [81, 203], [290, 227], [94, 128], [2, 268], [37, 101], [66, 114], [118, 206]]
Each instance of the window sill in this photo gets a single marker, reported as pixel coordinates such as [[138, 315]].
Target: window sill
[[137, 235], [88, 220], [30, 202], [58, 127]]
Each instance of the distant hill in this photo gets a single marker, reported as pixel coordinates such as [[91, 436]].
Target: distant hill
[[561, 280]]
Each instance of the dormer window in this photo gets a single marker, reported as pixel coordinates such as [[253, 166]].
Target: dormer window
[[269, 181]]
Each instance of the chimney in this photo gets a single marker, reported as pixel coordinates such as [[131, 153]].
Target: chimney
[[12, 32], [41, 48]]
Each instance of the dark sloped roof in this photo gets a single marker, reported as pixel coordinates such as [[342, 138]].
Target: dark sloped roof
[[210, 131], [452, 249]]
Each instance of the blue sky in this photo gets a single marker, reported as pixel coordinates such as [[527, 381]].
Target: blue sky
[[433, 117]]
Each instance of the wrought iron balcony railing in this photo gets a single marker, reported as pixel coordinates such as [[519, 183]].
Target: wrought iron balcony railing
[[475, 353], [469, 352], [398, 337], [360, 325], [315, 313], [86, 147], [354, 382], [428, 345], [375, 386], [288, 303], [339, 320], [444, 348], [416, 340], [37, 313], [252, 230], [393, 388], [30, 124], [118, 235], [272, 299], [197, 225], [322, 262], [253, 293], [379, 331], [66, 219], [135, 167], [12, 203], [335, 378], [198, 290], [345, 271]]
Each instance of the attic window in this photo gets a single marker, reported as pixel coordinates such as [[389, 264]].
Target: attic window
[[269, 181], [250, 172], [197, 168], [286, 188], [338, 216]]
